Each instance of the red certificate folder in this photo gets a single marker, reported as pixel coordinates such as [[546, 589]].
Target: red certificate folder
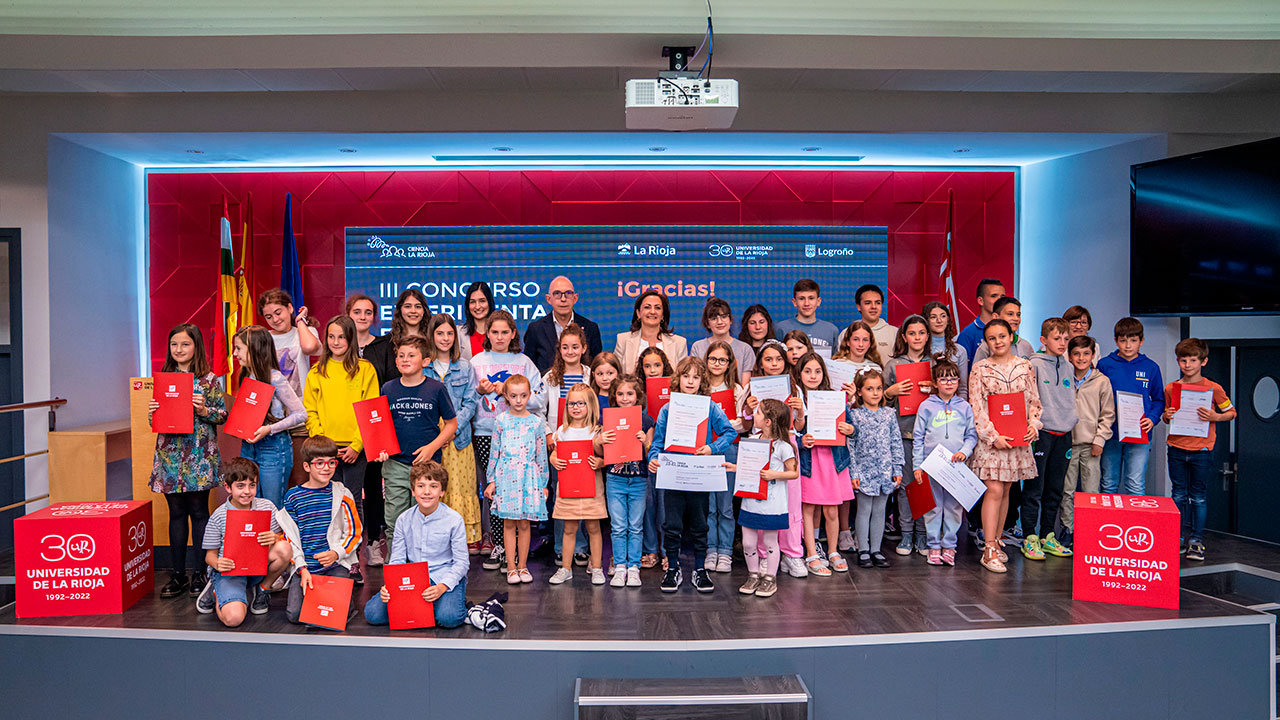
[[725, 400], [625, 423], [919, 495], [327, 603], [373, 417], [176, 414], [577, 479], [1008, 412], [405, 584], [657, 393], [917, 372], [249, 411], [240, 541]]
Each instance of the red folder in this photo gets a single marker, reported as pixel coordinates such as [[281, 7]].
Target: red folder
[[577, 479], [763, 491], [657, 393], [249, 411], [405, 584], [373, 417], [725, 400], [1008, 412], [176, 414], [560, 416], [1175, 396], [919, 495], [917, 372], [240, 541], [625, 423], [327, 603]]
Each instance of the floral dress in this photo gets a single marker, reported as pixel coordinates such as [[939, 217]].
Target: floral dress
[[189, 462], [875, 450], [518, 468], [985, 379]]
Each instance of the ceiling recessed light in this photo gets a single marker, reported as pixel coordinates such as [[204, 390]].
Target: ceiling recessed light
[[961, 150], [502, 148], [196, 152], [657, 148], [811, 148], [346, 150]]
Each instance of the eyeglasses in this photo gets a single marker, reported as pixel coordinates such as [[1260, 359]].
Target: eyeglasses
[[324, 464], [949, 379], [1079, 322], [717, 361], [562, 294], [576, 403]]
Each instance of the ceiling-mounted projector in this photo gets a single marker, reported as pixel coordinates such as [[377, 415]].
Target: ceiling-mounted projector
[[681, 103]]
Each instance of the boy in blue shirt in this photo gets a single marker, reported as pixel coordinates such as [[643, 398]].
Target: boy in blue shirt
[[418, 404], [1124, 465], [807, 299], [989, 291], [434, 533]]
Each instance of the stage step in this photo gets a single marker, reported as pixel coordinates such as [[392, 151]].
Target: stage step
[[775, 697]]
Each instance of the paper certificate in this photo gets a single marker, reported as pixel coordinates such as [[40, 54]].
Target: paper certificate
[[1186, 421], [1129, 409], [753, 456], [826, 408], [773, 387], [687, 417], [841, 373], [955, 478], [692, 473], [823, 352]]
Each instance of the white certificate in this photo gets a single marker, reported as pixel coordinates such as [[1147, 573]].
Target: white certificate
[[692, 473], [823, 351], [1129, 409], [685, 413], [841, 373], [826, 408], [753, 456], [955, 478], [774, 387], [1186, 421]]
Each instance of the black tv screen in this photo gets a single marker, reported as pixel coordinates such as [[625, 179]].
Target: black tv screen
[[1205, 233]]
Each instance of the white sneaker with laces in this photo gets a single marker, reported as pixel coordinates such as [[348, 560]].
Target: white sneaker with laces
[[561, 576], [597, 576], [795, 567], [376, 557], [619, 577], [633, 577]]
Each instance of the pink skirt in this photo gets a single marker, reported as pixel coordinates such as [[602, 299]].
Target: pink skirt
[[825, 486]]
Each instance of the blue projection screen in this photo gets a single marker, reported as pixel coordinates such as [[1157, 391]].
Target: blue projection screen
[[611, 266]]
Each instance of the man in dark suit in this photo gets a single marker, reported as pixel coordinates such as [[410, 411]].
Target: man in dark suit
[[543, 335]]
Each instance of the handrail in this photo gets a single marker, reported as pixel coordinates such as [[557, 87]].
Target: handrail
[[56, 402], [24, 502]]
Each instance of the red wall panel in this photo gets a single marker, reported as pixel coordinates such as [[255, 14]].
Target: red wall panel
[[184, 210]]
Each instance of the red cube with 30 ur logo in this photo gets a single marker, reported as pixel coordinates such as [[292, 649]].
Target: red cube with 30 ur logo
[[89, 558], [1126, 550]]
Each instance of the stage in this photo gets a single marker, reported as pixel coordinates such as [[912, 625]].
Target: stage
[[910, 641]]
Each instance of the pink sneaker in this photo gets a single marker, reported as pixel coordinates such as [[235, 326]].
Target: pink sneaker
[[949, 557], [935, 557]]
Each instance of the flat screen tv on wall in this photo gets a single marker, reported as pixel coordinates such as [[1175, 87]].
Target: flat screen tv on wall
[[1205, 233]]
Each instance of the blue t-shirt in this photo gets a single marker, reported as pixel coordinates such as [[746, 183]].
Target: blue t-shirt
[[415, 413]]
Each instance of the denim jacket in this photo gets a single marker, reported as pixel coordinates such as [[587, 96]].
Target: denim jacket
[[461, 383], [717, 424], [839, 453]]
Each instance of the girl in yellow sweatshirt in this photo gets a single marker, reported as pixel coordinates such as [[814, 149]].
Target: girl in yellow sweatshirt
[[334, 385]]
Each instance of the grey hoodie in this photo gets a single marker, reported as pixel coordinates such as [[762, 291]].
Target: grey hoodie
[[1055, 376]]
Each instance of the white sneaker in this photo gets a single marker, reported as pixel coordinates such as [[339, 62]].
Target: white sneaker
[[619, 577], [711, 561], [795, 567], [846, 541], [376, 556], [633, 577], [597, 576], [724, 563], [563, 575]]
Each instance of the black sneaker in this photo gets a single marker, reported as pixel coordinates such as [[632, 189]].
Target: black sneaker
[[821, 549], [580, 559], [496, 558], [671, 581], [1195, 550], [198, 581], [206, 602], [176, 586], [879, 560], [261, 601], [1182, 546], [702, 581], [559, 559], [864, 559]]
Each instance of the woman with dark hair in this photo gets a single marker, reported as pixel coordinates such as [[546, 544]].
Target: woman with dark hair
[[942, 341], [363, 311], [650, 327], [410, 318], [757, 326], [479, 306]]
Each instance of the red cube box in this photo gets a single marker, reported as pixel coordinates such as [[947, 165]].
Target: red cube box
[[90, 558], [1126, 550]]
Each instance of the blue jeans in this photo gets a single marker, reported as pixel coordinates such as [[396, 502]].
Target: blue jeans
[[1124, 468], [451, 608], [274, 456], [1190, 472], [653, 512], [720, 523], [626, 496], [234, 588]]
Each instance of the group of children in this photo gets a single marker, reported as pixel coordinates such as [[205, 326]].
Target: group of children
[[480, 436]]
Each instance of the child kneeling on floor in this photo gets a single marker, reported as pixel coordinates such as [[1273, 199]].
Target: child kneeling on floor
[[434, 533]]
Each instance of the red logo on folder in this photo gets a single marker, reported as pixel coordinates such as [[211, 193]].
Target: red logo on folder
[[249, 411], [240, 541], [405, 584], [625, 423], [327, 603], [173, 391], [1008, 413], [577, 479], [373, 417]]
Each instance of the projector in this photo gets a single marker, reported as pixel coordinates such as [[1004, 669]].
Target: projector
[[681, 103]]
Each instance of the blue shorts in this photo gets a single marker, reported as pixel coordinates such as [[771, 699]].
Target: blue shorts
[[234, 588]]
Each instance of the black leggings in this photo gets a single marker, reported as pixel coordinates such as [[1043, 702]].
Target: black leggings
[[483, 444], [184, 507]]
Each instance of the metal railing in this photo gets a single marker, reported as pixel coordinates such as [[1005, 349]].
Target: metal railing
[[52, 405]]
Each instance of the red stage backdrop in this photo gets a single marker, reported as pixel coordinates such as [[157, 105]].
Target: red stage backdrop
[[185, 208]]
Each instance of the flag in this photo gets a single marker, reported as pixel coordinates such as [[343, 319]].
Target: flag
[[290, 269], [244, 267], [228, 306], [946, 273]]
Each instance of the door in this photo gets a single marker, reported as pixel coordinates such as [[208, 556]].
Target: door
[[12, 475], [1257, 441], [1220, 497]]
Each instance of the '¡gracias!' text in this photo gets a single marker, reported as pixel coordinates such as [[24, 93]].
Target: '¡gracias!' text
[[635, 288]]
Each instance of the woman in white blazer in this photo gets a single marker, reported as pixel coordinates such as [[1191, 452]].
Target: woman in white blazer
[[650, 326]]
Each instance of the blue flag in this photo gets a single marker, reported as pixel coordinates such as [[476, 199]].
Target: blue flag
[[290, 268]]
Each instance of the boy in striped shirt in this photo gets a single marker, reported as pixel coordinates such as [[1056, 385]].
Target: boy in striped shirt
[[319, 518]]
